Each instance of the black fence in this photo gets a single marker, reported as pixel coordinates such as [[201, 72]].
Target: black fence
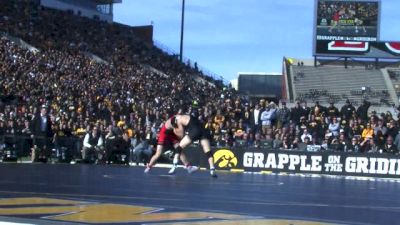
[[68, 149], [13, 147]]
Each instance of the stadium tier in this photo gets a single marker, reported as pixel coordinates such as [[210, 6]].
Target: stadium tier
[[336, 83], [394, 75]]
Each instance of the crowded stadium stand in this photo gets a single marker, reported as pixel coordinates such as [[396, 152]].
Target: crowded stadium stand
[[85, 72]]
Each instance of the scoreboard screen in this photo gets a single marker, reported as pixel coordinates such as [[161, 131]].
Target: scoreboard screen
[[347, 20]]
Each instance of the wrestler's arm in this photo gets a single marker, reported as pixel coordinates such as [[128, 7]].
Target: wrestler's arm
[[179, 131], [168, 124]]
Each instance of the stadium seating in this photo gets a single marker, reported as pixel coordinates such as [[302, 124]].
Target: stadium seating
[[336, 83], [88, 71], [394, 75]]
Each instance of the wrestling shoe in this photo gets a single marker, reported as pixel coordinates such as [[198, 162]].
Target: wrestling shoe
[[213, 173], [147, 170], [172, 170], [192, 169]]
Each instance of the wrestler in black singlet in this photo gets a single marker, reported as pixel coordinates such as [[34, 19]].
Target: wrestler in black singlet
[[195, 130]]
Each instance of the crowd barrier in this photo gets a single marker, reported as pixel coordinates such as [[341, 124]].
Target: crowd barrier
[[19, 146], [246, 159], [289, 161]]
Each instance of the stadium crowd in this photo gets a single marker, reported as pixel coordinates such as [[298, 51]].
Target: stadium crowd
[[60, 101], [79, 93]]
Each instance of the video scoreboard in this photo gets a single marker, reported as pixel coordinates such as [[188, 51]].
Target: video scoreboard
[[350, 28], [348, 20]]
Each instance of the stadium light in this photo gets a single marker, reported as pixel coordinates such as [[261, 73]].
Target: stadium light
[[182, 27]]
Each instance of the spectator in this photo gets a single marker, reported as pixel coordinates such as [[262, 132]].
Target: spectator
[[295, 143], [63, 142], [380, 139], [266, 123], [249, 140], [347, 111], [334, 127], [304, 145], [344, 144], [306, 110], [26, 134], [42, 135], [277, 141], [283, 115], [144, 149], [390, 147], [396, 141], [317, 110], [247, 118], [93, 146], [367, 132], [335, 145], [296, 113], [305, 135], [362, 110], [302, 125], [111, 141], [255, 119], [355, 129], [267, 143], [368, 145], [315, 128], [354, 146], [286, 143], [123, 148], [274, 111], [238, 110], [380, 127], [325, 143], [219, 118], [239, 131], [332, 110]]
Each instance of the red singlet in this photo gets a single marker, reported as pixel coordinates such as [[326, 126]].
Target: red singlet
[[165, 139]]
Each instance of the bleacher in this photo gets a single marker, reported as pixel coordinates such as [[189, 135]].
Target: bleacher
[[336, 83], [46, 28], [86, 72], [394, 75]]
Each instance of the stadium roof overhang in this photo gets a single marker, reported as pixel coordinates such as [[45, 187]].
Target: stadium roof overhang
[[101, 2]]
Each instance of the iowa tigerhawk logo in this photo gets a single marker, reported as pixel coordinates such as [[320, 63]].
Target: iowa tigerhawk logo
[[225, 158]]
